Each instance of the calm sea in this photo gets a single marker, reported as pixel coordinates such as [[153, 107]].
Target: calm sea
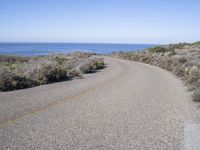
[[33, 49]]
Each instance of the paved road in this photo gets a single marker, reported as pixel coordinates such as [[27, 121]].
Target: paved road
[[125, 106]]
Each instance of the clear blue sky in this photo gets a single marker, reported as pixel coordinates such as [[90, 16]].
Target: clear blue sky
[[107, 21]]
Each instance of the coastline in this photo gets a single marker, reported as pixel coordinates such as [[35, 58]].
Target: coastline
[[35, 49]]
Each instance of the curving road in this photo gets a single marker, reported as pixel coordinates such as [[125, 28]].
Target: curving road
[[128, 105]]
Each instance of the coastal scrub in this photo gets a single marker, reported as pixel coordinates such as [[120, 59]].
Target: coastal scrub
[[18, 72]]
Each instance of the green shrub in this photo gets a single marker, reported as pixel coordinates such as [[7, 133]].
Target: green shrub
[[196, 43], [177, 46], [157, 49], [100, 64], [60, 60]]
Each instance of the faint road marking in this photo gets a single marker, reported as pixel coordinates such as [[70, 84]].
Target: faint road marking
[[59, 102]]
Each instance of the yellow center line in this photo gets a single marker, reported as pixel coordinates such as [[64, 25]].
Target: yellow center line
[[58, 103]]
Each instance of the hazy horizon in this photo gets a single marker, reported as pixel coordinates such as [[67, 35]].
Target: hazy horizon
[[113, 21], [43, 42], [117, 43]]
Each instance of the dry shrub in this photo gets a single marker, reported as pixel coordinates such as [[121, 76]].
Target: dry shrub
[[10, 81], [196, 94], [46, 69]]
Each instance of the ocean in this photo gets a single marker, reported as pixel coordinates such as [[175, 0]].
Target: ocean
[[35, 49]]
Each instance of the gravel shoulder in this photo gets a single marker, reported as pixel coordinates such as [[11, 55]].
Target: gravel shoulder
[[127, 105]]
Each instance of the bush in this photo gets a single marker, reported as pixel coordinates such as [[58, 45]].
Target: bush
[[60, 60], [100, 64], [196, 43], [49, 73], [157, 49], [18, 74], [191, 75], [182, 60], [74, 73], [179, 70], [87, 67], [196, 95], [91, 65], [177, 46], [10, 81]]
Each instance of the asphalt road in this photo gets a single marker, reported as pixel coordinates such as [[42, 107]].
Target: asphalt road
[[128, 105]]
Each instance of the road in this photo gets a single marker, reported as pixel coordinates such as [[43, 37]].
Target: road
[[127, 105]]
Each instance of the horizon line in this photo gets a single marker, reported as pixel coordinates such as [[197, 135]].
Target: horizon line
[[53, 42], [74, 42]]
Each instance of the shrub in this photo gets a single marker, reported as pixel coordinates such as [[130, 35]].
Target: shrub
[[100, 64], [17, 73], [87, 67], [50, 73], [196, 95], [91, 65], [157, 49], [192, 75], [179, 70], [177, 46], [74, 73], [196, 43], [10, 81], [60, 59], [182, 60]]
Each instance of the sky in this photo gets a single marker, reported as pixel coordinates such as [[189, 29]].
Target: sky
[[100, 21]]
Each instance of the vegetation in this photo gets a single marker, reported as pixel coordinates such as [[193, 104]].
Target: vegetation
[[182, 59], [177, 46], [170, 47], [197, 95], [196, 43], [157, 49], [24, 72]]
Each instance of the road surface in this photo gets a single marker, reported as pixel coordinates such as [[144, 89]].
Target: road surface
[[127, 105]]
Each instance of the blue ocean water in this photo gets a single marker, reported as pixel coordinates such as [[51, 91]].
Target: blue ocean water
[[34, 49]]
